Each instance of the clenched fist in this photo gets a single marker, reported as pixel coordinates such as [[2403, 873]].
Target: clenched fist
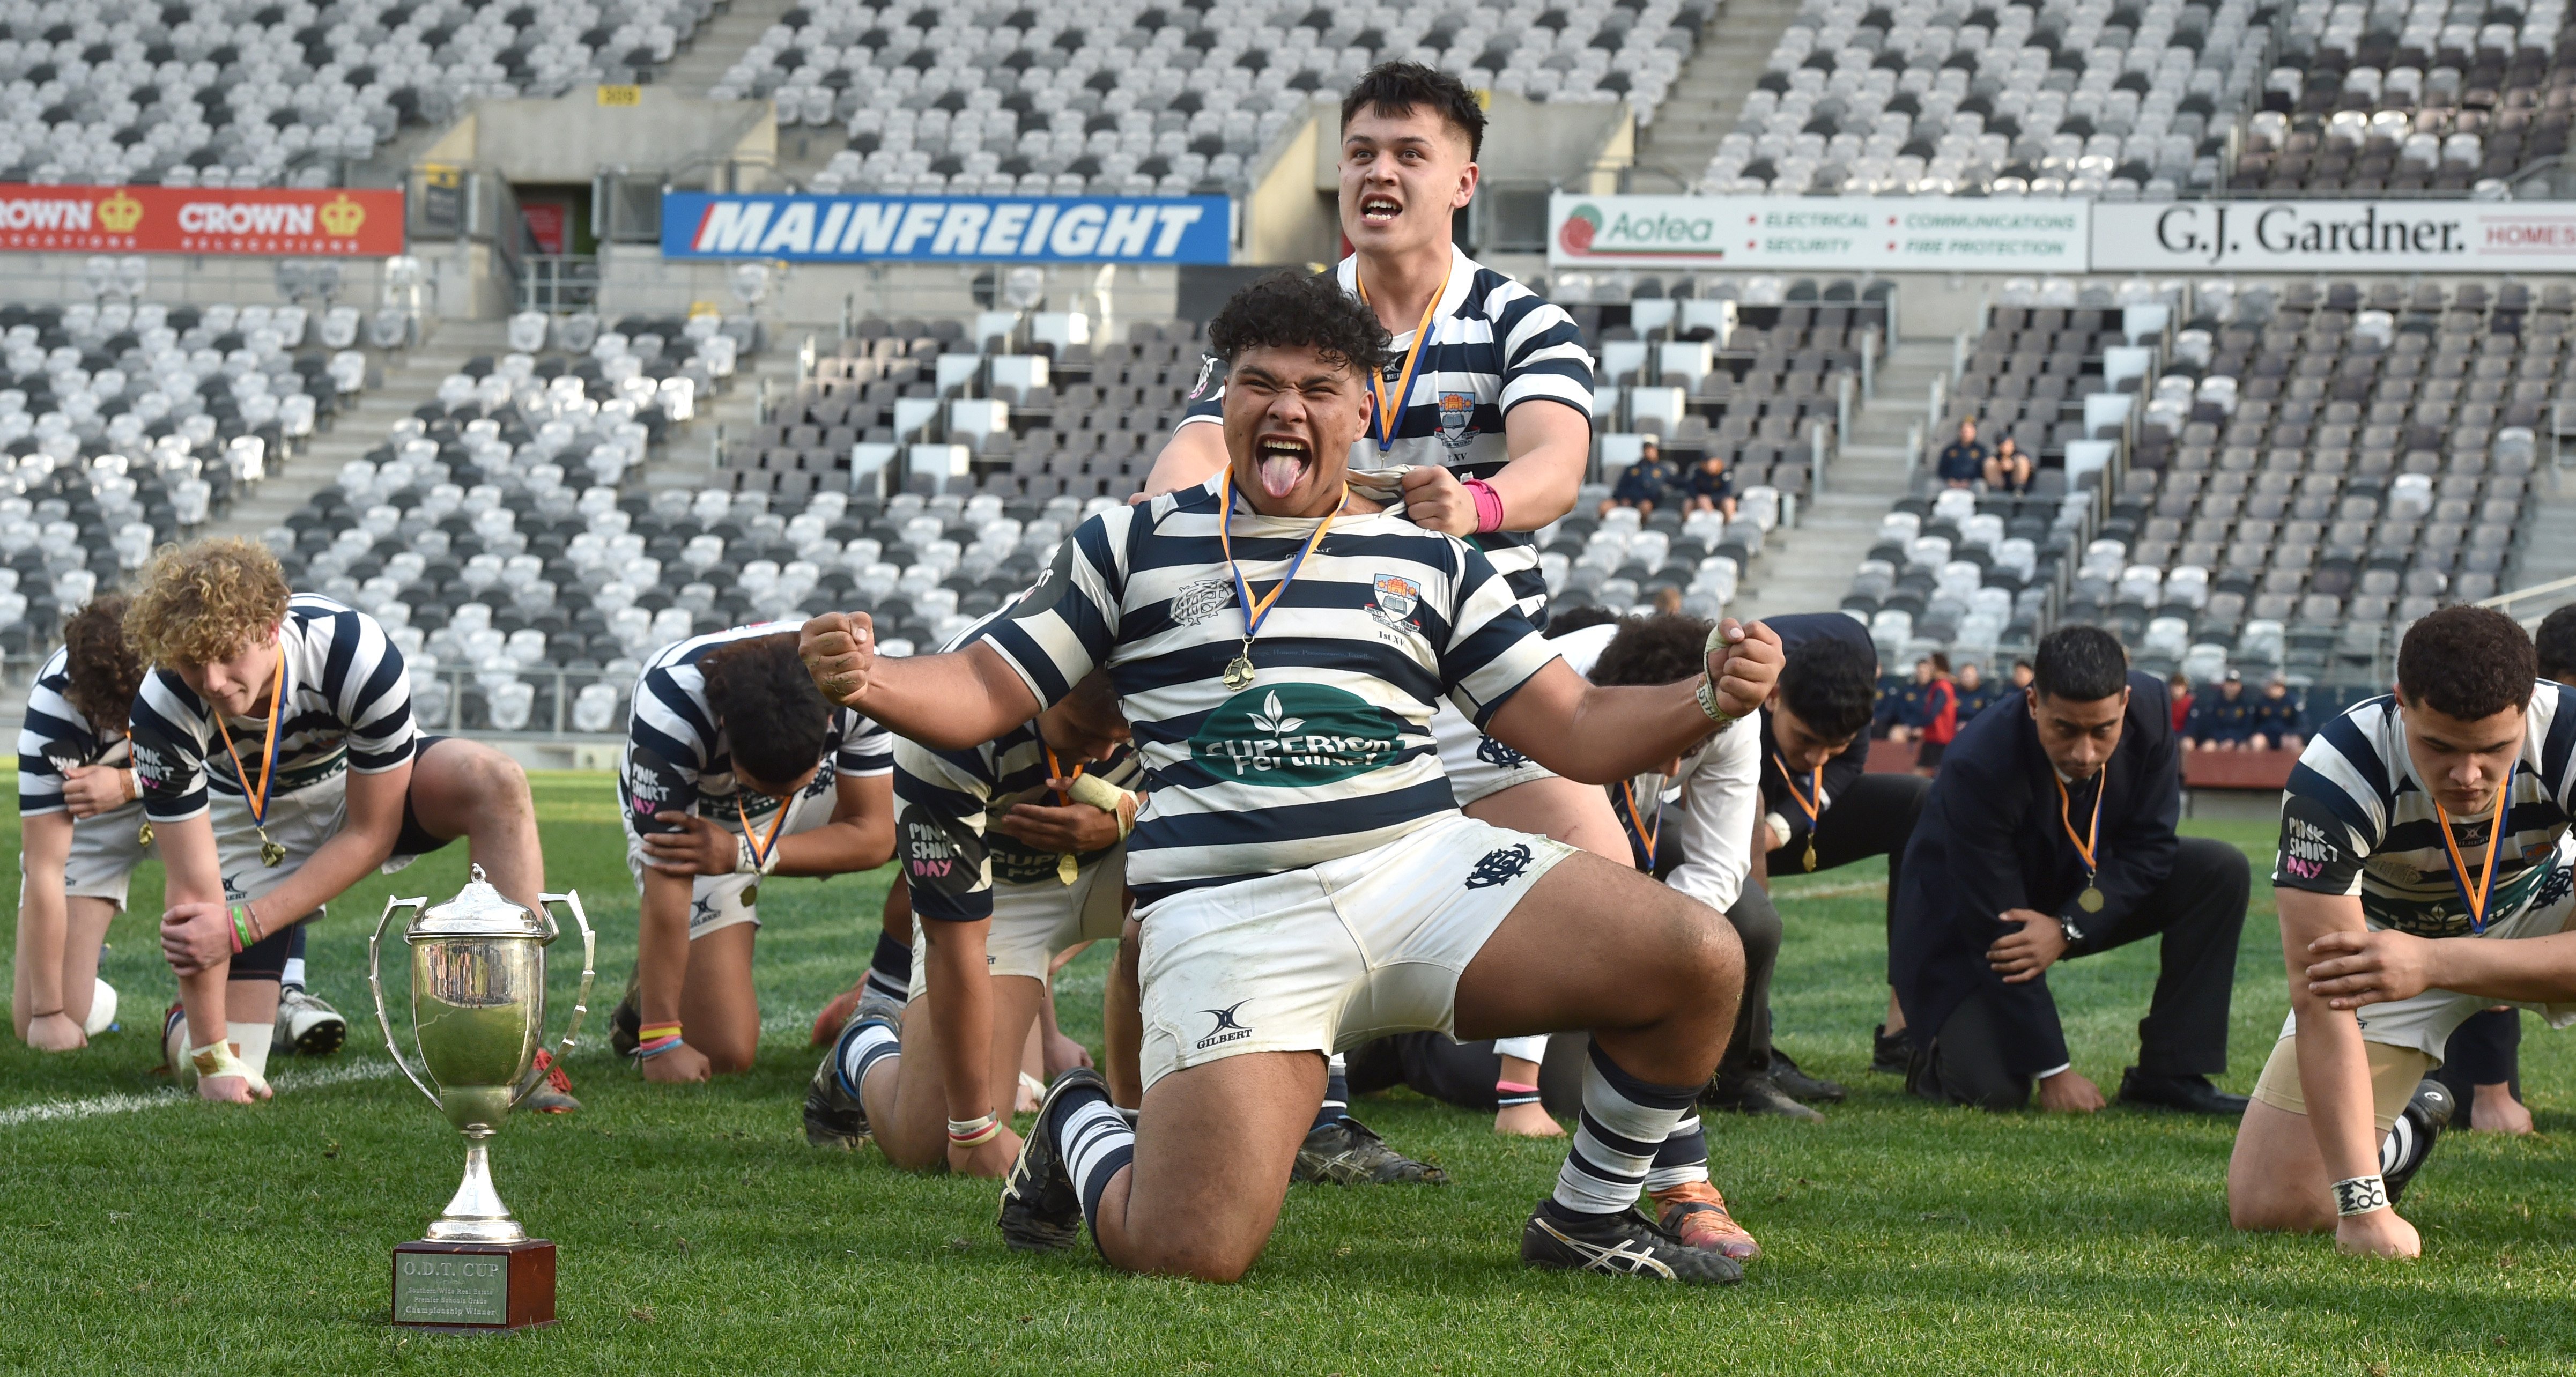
[[1743, 663], [840, 651], [1436, 501]]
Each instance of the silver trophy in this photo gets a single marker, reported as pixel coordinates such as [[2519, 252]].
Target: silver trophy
[[478, 1010]]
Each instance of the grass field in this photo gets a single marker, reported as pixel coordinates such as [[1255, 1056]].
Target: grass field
[[698, 1233]]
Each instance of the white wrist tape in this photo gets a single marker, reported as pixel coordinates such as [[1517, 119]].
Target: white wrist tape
[[2360, 1195]]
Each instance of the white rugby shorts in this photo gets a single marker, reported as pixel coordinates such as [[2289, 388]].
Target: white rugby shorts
[[1324, 959], [299, 822], [105, 849], [1477, 764], [1034, 923], [717, 902]]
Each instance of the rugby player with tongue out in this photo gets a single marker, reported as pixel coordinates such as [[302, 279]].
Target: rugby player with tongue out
[[1481, 425]]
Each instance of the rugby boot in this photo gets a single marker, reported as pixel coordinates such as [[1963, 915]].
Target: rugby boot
[[1626, 1244], [1346, 1152], [2410, 1139], [553, 1093], [626, 1022], [1697, 1215], [307, 1024], [834, 1117], [1041, 1212], [174, 1041], [1801, 1086]]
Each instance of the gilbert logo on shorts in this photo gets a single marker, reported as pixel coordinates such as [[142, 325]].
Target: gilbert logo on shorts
[[1227, 1028], [1295, 736]]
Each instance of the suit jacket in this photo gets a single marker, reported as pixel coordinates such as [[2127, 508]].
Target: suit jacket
[[1797, 631], [1991, 838]]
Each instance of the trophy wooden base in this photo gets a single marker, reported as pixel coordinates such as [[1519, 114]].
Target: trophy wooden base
[[474, 1288]]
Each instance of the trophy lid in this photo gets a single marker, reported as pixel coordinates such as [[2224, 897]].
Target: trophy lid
[[478, 910]]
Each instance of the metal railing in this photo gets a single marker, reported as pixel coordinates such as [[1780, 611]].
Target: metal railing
[[559, 282]]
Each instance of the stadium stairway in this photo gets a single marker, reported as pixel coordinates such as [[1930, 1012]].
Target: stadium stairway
[[720, 43], [2547, 554], [1709, 93], [1806, 568]]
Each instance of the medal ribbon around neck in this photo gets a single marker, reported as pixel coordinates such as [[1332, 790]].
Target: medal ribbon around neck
[[1068, 867], [762, 848], [268, 766], [1651, 836], [1254, 614], [1812, 803], [2478, 901], [2093, 835], [1387, 411]]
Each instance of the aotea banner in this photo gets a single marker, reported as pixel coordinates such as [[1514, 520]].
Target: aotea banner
[[1818, 233]]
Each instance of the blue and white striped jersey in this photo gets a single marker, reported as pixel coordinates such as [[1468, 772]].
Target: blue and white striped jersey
[[56, 734], [1495, 344], [679, 758], [348, 707], [2356, 821], [1328, 751]]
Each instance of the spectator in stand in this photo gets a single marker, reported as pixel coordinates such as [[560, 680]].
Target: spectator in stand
[[2008, 470], [1963, 461], [2556, 642], [1668, 600], [1905, 722], [2223, 721], [2022, 674], [1939, 715], [1712, 487], [1973, 690], [1649, 483], [2180, 687], [2275, 723]]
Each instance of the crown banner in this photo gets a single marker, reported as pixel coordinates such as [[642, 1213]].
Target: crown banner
[[1817, 233], [338, 222]]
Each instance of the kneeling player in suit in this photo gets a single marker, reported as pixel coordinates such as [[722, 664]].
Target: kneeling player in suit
[[735, 770], [2049, 834], [81, 816], [1305, 881], [1012, 855], [280, 765], [2424, 873]]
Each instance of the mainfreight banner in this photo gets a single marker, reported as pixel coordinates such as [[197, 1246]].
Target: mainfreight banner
[[164, 219], [2336, 236], [1818, 233], [952, 229]]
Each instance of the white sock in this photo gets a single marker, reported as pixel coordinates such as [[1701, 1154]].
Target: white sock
[[1625, 1122], [1097, 1142], [2397, 1146], [293, 977], [863, 1045], [1683, 1158], [102, 1009], [253, 1040]]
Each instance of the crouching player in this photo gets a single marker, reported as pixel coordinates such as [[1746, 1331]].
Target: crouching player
[[81, 815], [735, 770], [2418, 832], [1306, 881], [280, 765], [1011, 851]]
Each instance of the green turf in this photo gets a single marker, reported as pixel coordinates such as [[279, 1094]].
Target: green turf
[[699, 1233]]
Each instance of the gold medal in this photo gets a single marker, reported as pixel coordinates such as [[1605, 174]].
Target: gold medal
[[750, 895], [271, 854], [2090, 900], [143, 835], [1811, 803], [1067, 869], [1810, 857], [1238, 675]]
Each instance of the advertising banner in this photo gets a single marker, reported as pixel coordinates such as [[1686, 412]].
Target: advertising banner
[[2336, 236], [948, 229], [1818, 233], [164, 219]]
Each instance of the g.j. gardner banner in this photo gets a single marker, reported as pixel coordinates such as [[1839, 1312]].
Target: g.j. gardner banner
[[1819, 233]]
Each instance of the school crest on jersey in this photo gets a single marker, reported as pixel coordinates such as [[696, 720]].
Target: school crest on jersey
[[1196, 602], [1393, 600], [1457, 413]]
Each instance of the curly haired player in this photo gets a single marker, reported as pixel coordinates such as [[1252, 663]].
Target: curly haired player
[[1304, 879], [280, 765]]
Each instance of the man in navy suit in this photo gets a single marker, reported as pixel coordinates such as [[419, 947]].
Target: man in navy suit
[[2050, 834]]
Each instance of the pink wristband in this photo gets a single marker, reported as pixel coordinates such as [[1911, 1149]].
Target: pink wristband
[[1489, 505]]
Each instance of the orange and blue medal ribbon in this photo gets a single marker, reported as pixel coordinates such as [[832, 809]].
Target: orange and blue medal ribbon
[[2091, 899], [1388, 411], [761, 848], [1649, 835], [1238, 675], [2481, 900], [1811, 803], [1068, 867], [270, 853]]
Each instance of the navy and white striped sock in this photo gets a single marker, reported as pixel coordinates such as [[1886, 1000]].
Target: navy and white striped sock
[[890, 970], [1683, 1157], [1095, 1141], [1337, 1094], [1625, 1122], [861, 1047]]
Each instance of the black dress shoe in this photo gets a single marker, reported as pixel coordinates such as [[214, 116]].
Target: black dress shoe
[[1800, 1085], [1755, 1094], [2190, 1094], [1890, 1053]]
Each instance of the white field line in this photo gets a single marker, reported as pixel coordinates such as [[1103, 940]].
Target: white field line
[[367, 1069]]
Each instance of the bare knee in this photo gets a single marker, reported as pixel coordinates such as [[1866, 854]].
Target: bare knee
[[497, 782], [1205, 1260]]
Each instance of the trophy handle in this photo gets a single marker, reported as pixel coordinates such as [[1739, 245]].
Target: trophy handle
[[581, 1000], [376, 986]]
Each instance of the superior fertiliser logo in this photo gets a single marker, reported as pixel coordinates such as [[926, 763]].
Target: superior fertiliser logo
[[1295, 736]]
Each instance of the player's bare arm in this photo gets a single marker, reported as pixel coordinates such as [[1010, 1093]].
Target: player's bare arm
[[2334, 1074], [2350, 970], [949, 702], [1600, 735]]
